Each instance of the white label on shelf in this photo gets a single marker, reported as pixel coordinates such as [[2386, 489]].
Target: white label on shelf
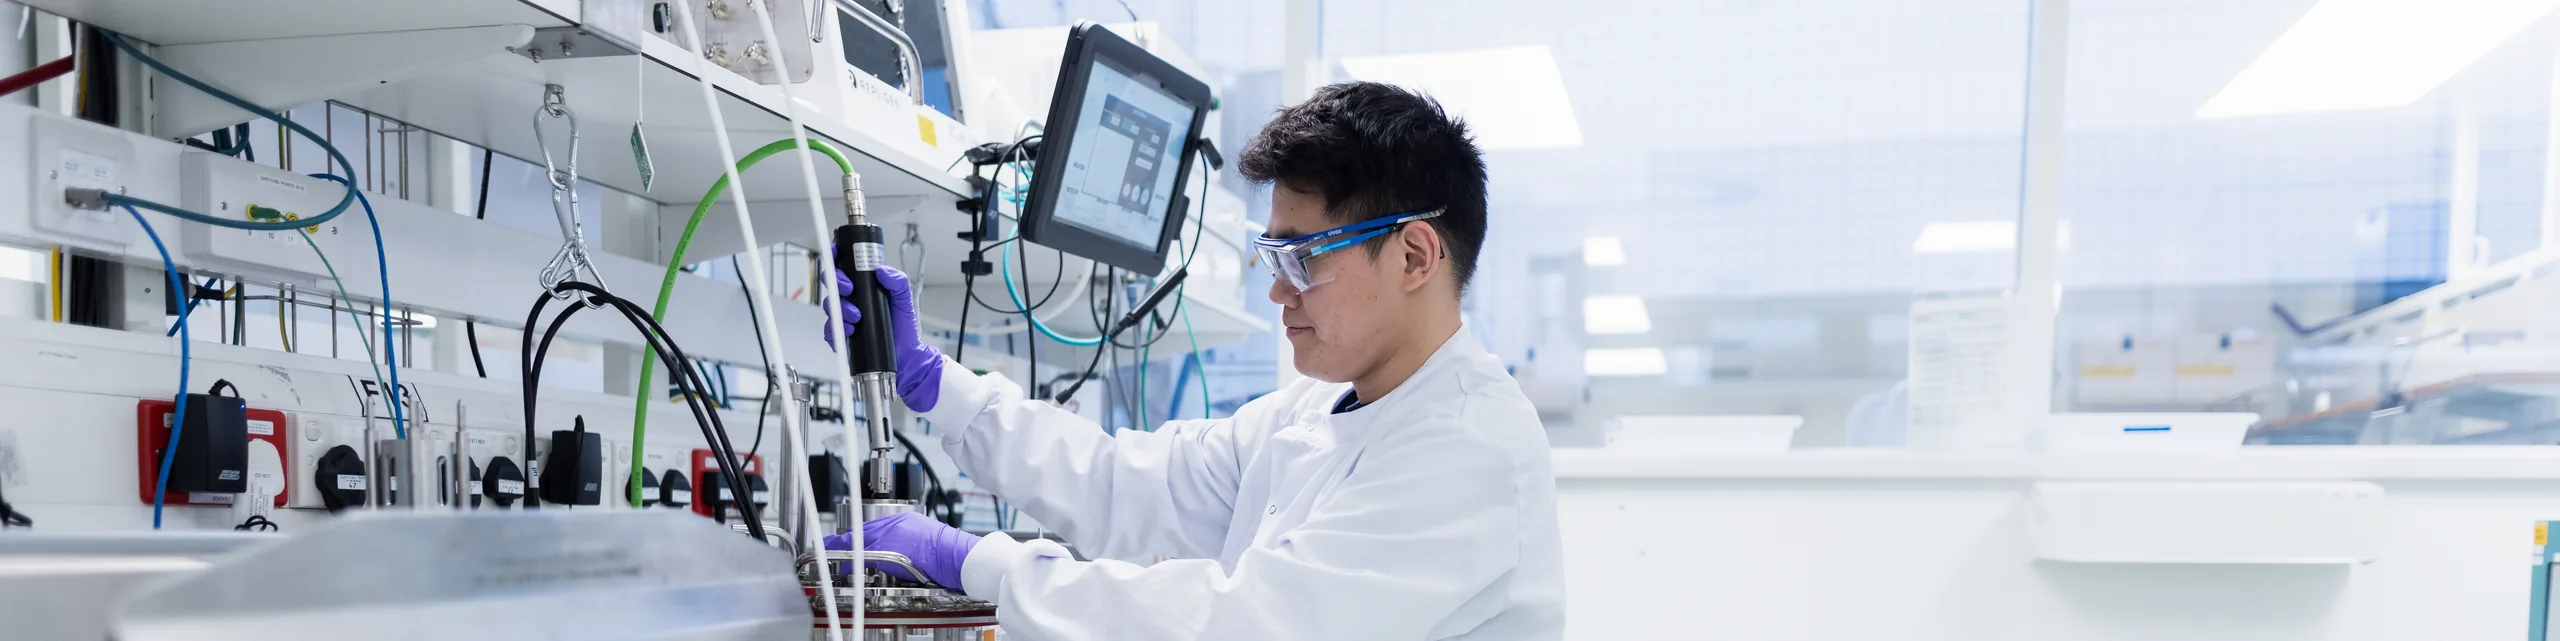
[[282, 184], [210, 497], [262, 428], [510, 487], [354, 482]]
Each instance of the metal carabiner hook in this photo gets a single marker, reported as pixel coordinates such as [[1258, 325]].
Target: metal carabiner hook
[[571, 261]]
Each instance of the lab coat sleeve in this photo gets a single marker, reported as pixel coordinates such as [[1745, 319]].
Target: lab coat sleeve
[[1414, 533], [1168, 492]]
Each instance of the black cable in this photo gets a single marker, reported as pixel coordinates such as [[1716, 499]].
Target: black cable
[[770, 384], [1107, 296], [933, 480], [240, 315], [1033, 342], [969, 276], [995, 187], [702, 417], [9, 517], [257, 523], [471, 330], [537, 357], [674, 356], [1199, 232]]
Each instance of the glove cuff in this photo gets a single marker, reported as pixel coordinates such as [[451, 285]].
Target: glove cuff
[[982, 574], [954, 400], [921, 387]]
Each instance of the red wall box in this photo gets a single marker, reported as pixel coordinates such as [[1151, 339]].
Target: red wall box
[[151, 430]]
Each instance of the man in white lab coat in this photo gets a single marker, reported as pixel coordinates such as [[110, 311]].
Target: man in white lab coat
[[1401, 491]]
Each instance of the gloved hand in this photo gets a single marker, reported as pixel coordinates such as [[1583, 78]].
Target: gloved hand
[[937, 549], [919, 365]]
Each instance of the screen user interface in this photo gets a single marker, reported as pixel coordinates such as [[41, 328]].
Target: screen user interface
[[1119, 179]]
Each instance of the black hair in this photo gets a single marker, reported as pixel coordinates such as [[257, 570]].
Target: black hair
[[1374, 150]]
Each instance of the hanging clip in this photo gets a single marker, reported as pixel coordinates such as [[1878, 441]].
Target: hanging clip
[[571, 262]]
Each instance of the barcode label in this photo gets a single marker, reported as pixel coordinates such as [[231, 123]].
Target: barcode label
[[683, 496], [351, 482], [764, 496], [510, 487], [262, 428]]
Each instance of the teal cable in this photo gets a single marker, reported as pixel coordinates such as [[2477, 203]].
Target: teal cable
[[365, 336], [382, 263], [1016, 296], [1196, 360], [1145, 332], [345, 201]]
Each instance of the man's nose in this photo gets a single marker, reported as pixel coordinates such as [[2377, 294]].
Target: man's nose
[[1282, 294]]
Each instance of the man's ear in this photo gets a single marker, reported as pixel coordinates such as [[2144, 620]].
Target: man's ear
[[1419, 246]]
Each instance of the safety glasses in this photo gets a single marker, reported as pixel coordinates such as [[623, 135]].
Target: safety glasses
[[1287, 258]]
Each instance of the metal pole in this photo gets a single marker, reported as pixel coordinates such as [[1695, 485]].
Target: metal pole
[[2038, 296], [2551, 164]]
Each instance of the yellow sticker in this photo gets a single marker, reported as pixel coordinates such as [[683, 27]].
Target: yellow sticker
[[924, 129], [2541, 533], [2205, 370], [2106, 371]]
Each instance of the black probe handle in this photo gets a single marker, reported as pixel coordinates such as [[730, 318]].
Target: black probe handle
[[870, 347]]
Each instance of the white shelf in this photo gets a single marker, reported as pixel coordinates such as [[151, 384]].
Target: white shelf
[[490, 101], [488, 98], [178, 22]]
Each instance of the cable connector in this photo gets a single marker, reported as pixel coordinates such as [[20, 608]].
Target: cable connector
[[977, 264], [85, 198]]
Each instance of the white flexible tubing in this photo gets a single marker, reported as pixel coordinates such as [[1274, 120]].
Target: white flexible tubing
[[827, 304], [757, 277]]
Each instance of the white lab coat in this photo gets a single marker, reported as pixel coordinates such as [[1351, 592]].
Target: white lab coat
[[1428, 514]]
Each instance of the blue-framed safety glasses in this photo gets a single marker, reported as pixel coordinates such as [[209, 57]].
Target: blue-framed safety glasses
[[1287, 258]]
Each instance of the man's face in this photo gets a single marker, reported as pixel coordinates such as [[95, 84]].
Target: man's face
[[1338, 329]]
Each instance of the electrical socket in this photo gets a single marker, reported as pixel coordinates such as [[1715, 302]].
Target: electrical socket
[[486, 444], [313, 435], [72, 154]]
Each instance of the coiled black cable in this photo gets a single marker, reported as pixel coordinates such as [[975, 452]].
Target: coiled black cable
[[687, 378]]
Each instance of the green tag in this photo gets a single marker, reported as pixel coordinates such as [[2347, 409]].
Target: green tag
[[640, 154]]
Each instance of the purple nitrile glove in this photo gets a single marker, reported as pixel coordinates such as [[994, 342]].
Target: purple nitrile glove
[[919, 365], [937, 549]]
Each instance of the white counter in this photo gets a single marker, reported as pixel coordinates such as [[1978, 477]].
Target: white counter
[[1848, 544], [2409, 463]]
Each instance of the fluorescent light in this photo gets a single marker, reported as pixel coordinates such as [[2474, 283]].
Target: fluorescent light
[[1967, 237], [1615, 315], [1603, 251], [2371, 54], [1511, 98], [1636, 361]]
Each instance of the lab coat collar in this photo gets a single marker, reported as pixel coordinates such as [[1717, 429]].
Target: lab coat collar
[[1453, 352], [1424, 385]]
